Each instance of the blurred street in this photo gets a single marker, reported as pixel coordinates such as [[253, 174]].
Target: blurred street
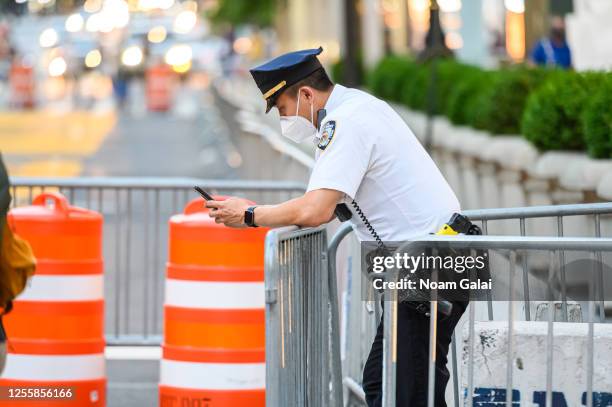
[[175, 144], [185, 142]]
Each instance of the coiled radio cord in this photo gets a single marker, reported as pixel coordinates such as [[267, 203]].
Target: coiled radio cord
[[369, 226]]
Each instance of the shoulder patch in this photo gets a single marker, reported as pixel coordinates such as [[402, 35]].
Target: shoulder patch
[[327, 134]]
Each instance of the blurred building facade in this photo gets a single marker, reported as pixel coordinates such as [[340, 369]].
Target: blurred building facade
[[309, 24], [482, 32], [589, 34]]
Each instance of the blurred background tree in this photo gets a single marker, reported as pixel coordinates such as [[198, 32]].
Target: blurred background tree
[[236, 12]]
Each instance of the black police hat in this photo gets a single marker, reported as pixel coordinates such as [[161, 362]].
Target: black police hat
[[281, 72]]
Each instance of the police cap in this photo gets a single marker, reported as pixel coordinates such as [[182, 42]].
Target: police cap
[[278, 74]]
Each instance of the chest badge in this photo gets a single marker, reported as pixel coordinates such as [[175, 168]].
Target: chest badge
[[327, 134]]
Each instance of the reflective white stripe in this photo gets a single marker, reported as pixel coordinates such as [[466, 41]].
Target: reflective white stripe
[[54, 367], [64, 288], [206, 294], [213, 376]]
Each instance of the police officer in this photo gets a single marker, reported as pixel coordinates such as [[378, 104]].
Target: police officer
[[367, 158]]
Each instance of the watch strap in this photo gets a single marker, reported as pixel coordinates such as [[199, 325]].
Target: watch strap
[[249, 216]]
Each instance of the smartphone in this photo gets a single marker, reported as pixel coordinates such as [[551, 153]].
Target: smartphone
[[204, 194]]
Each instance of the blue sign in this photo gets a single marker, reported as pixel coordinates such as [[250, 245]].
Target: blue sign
[[496, 397]]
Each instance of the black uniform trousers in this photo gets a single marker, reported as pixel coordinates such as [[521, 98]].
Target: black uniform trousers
[[412, 358]]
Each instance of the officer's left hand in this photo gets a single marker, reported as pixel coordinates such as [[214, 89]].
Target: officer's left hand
[[229, 212]]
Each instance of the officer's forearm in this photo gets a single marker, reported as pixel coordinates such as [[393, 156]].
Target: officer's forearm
[[288, 213], [313, 209]]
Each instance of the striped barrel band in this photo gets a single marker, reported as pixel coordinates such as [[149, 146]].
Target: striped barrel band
[[53, 287], [214, 295], [213, 376], [54, 367]]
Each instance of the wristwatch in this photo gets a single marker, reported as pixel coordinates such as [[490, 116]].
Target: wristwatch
[[249, 217]]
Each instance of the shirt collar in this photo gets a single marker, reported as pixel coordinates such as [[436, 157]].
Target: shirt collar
[[335, 98]]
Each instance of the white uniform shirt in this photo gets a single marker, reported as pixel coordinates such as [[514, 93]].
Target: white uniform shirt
[[374, 158]]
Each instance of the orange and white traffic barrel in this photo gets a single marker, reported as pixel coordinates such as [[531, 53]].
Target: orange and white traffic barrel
[[214, 318], [159, 87], [56, 328], [21, 82]]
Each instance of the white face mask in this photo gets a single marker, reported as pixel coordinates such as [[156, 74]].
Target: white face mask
[[296, 128]]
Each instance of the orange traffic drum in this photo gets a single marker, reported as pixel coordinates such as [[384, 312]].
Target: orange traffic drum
[[56, 328], [159, 87], [21, 80], [214, 321]]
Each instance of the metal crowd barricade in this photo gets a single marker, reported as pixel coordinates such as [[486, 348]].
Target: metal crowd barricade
[[515, 245], [557, 214], [302, 353], [517, 220], [136, 211]]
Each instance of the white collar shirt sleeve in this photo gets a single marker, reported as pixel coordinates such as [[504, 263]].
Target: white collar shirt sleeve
[[342, 164]]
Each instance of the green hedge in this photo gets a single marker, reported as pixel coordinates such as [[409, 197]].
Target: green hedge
[[413, 90], [555, 110], [448, 73], [415, 87], [501, 106], [597, 121], [386, 80], [464, 98]]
